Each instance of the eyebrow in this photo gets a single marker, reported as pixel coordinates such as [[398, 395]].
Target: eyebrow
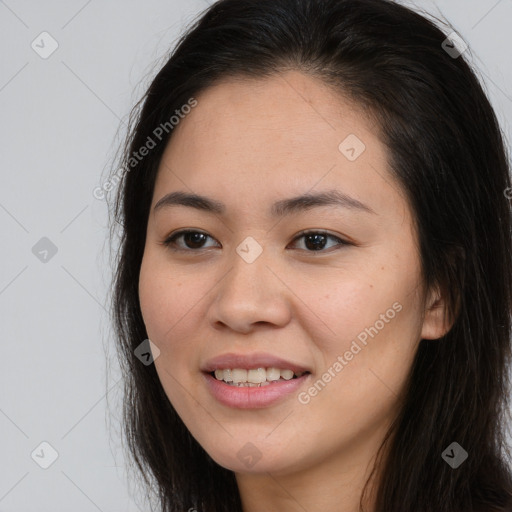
[[280, 208]]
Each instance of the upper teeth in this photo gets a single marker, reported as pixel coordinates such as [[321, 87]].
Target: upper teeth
[[254, 376]]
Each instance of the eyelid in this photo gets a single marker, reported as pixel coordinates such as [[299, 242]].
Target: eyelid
[[169, 240]]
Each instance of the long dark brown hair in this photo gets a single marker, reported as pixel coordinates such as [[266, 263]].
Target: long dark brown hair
[[446, 150]]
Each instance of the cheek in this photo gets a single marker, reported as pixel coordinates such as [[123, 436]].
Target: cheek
[[362, 371], [167, 306], [341, 305], [164, 297], [153, 298], [366, 329], [172, 306]]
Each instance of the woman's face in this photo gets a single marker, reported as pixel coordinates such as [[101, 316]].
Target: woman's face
[[249, 291]]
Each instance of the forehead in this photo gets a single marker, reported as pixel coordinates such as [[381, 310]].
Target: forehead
[[257, 140]]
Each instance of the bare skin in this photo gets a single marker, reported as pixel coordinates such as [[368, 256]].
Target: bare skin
[[248, 144]]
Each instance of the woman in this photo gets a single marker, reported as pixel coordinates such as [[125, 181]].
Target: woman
[[316, 238]]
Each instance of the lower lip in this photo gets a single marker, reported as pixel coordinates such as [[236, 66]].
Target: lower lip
[[252, 397]]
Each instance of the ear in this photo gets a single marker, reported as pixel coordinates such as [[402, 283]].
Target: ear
[[436, 322]]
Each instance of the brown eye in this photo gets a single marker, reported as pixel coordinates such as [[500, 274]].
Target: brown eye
[[315, 241], [193, 240]]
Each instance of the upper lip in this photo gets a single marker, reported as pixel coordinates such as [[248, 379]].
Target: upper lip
[[249, 361]]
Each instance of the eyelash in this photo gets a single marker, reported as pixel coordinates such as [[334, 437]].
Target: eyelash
[[170, 241]]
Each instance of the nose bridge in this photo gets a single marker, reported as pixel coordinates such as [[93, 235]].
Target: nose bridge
[[248, 278], [250, 292]]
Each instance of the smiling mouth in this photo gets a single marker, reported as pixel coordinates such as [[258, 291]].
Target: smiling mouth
[[256, 377]]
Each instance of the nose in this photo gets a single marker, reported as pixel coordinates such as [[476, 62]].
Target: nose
[[251, 294]]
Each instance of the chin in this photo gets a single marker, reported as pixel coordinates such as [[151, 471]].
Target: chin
[[249, 458]]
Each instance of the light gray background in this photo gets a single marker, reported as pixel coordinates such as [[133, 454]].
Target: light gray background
[[59, 118]]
